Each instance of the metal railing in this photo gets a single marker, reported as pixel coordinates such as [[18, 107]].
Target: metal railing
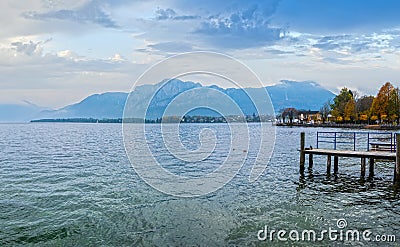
[[357, 140]]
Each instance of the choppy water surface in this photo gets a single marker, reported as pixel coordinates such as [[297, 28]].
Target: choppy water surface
[[73, 185]]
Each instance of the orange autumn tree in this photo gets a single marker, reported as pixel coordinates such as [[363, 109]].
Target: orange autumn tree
[[385, 106]]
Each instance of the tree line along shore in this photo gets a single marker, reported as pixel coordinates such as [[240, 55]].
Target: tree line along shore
[[349, 108], [167, 119]]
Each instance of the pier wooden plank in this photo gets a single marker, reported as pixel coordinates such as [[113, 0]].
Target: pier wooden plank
[[379, 151], [351, 153]]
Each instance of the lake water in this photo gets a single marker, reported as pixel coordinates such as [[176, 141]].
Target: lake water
[[73, 185]]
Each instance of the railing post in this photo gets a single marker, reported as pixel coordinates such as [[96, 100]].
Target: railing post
[[368, 142], [302, 154], [334, 142], [392, 135], [397, 167], [354, 140], [317, 138]]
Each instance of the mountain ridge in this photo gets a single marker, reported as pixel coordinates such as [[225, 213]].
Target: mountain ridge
[[307, 95]]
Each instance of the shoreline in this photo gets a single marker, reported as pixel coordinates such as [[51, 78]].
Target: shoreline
[[343, 126]]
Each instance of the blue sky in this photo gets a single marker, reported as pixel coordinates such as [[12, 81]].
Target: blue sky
[[55, 52]]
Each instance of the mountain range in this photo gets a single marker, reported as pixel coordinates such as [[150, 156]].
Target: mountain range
[[305, 95], [20, 112]]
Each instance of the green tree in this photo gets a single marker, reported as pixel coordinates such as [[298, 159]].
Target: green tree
[[340, 102]]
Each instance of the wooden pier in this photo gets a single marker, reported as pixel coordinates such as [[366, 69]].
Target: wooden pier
[[390, 151]]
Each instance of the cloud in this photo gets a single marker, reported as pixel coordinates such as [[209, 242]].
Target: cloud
[[28, 48], [165, 14], [353, 45], [214, 25], [91, 12], [27, 72], [96, 41], [243, 27], [29, 55], [170, 14], [338, 16], [278, 52], [173, 47], [117, 58]]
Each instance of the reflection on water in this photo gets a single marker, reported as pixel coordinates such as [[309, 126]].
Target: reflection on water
[[72, 185]]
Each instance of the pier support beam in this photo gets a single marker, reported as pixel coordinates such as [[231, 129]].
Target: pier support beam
[[310, 161], [302, 154], [371, 167], [328, 164], [362, 167], [397, 167], [335, 164]]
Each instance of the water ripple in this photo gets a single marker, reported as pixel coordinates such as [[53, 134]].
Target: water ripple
[[72, 185]]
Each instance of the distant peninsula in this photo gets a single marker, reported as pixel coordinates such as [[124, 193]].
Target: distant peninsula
[[165, 119]]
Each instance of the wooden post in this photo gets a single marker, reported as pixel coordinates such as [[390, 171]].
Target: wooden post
[[335, 164], [310, 161], [397, 167], [328, 165], [371, 167], [363, 167], [302, 154]]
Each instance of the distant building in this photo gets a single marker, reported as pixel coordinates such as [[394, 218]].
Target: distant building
[[292, 115], [309, 116]]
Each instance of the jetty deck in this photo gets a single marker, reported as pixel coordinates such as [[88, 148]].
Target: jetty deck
[[355, 154], [385, 146]]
